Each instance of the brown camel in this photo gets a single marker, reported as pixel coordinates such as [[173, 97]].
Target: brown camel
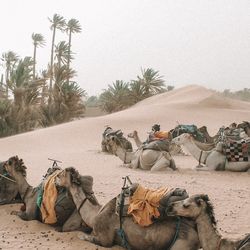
[[68, 218], [146, 159], [126, 144], [105, 223], [199, 208], [8, 188], [173, 148]]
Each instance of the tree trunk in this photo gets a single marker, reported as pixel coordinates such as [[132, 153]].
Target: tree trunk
[[51, 64], [34, 63], [68, 62]]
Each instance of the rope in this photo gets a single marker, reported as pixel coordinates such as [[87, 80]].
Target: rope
[[176, 233], [120, 231], [7, 178]]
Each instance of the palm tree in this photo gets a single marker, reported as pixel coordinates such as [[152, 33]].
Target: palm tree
[[38, 41], [116, 97], [9, 58], [62, 53], [57, 22], [151, 81], [73, 26], [136, 92], [26, 111]]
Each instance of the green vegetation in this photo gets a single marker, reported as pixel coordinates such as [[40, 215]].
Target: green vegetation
[[121, 95], [243, 95], [29, 100]]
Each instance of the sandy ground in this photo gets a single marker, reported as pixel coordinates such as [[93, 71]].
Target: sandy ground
[[78, 144]]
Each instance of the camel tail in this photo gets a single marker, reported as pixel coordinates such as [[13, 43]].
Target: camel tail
[[244, 241]]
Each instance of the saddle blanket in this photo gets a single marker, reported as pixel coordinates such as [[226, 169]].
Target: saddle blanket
[[237, 150]]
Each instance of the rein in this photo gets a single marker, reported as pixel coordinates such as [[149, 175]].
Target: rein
[[7, 178], [79, 208], [176, 233], [200, 157]]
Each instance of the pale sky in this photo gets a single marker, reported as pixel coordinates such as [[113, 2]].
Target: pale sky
[[204, 42]]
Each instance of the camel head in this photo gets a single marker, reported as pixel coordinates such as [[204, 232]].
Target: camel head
[[133, 134], [193, 207], [244, 125], [181, 139], [114, 142], [15, 165], [68, 177]]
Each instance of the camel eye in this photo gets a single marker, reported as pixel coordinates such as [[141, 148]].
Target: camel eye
[[10, 162], [186, 205]]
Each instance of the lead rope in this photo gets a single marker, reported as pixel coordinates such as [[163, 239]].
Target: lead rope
[[176, 233]]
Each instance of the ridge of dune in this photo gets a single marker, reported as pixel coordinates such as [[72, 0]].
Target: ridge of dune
[[187, 94]]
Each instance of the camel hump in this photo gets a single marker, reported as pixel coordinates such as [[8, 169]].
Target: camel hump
[[87, 183], [159, 145]]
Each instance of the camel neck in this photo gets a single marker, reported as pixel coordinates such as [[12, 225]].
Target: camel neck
[[22, 184], [137, 140], [124, 155], [87, 209], [208, 235], [197, 153]]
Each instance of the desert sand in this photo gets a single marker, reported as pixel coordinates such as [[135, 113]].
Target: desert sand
[[78, 144]]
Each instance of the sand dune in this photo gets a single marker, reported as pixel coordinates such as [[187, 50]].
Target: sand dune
[[78, 144]]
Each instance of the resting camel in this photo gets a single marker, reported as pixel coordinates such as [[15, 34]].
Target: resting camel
[[68, 218], [126, 144], [105, 223], [173, 148], [147, 159], [8, 188], [214, 159], [199, 208], [246, 126]]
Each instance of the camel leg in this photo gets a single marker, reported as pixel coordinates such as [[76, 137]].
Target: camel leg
[[181, 244], [161, 164], [73, 223], [102, 239]]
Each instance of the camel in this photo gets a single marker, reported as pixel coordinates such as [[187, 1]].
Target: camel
[[126, 144], [106, 223], [146, 159], [199, 208], [173, 148], [68, 219], [246, 126], [214, 159], [8, 188]]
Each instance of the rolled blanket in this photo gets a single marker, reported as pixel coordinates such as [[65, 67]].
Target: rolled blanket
[[49, 199], [144, 204]]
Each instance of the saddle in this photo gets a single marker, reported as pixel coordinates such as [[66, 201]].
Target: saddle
[[237, 151], [146, 205], [159, 145]]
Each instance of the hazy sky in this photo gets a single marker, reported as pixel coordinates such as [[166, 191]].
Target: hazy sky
[[205, 42]]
